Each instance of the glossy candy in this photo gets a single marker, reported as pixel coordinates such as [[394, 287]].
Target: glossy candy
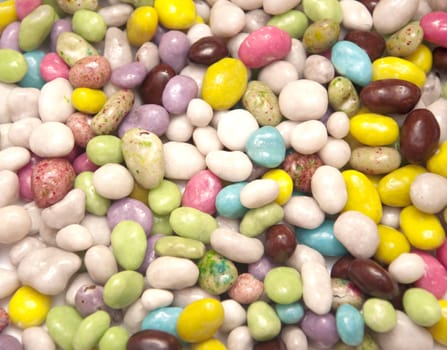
[[207, 50], [434, 25], [150, 339]]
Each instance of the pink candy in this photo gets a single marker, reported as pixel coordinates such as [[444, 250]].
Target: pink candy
[[435, 275], [434, 25], [263, 46], [52, 67], [25, 7]]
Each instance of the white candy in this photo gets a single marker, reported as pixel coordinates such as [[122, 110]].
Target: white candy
[[297, 56], [318, 68], [235, 127], [182, 160], [234, 43], [439, 110], [15, 224], [9, 282], [390, 216], [35, 214], [304, 212], [199, 112], [391, 15], [186, 296], [55, 101], [113, 181], [407, 268], [5, 90], [74, 238], [134, 316], [428, 193], [254, 20], [179, 129], [303, 254], [148, 55], [20, 249], [18, 109], [77, 282], [226, 19], [278, 74], [317, 289], [117, 49], [248, 4], [206, 140], [285, 128], [100, 263], [168, 272], [258, 193], [275, 7], [13, 158], [234, 315], [308, 137], [338, 125], [240, 339], [116, 15], [20, 131], [37, 338], [233, 166], [195, 72], [9, 187], [198, 31], [294, 338], [153, 298], [98, 227], [51, 139], [355, 15], [336, 153]]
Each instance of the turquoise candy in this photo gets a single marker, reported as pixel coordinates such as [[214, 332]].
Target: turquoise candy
[[217, 274], [266, 147], [321, 239], [162, 319], [350, 325], [352, 61], [32, 77], [228, 201], [290, 313]]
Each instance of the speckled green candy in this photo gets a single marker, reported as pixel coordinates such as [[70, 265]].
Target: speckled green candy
[[379, 315], [179, 247], [91, 330], [343, 96], [216, 273], [104, 149], [62, 323], [320, 9], [13, 66], [405, 41], [35, 27], [164, 198], [256, 221], [321, 35], [421, 306], [293, 22], [90, 25], [115, 338], [71, 47], [192, 223], [283, 285], [262, 321], [123, 289], [129, 243], [260, 101], [94, 202]]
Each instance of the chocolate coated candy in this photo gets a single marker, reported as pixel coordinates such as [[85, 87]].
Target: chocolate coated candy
[[341, 267], [274, 344], [371, 42], [440, 59], [207, 50], [280, 243], [153, 85], [153, 340]]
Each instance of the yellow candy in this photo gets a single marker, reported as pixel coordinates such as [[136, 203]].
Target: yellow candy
[[422, 57], [362, 195], [139, 193], [210, 344], [397, 68], [224, 83], [28, 307], [7, 14], [285, 183], [200, 320], [88, 100], [373, 129], [424, 231], [438, 162], [439, 329], [176, 14], [394, 188], [142, 25], [392, 244]]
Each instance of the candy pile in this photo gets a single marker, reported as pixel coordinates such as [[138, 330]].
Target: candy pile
[[208, 175]]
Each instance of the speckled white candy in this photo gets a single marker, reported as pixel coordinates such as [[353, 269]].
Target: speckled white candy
[[13, 158], [258, 193], [329, 189], [51, 139], [230, 166], [407, 268], [235, 127], [55, 101], [113, 181], [9, 187], [182, 160], [304, 212]]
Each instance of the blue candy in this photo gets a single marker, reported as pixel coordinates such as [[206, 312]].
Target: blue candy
[[32, 78], [350, 325], [266, 147], [228, 201], [162, 319], [289, 313]]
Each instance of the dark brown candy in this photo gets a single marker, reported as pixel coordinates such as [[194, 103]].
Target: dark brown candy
[[440, 59], [369, 4], [372, 279], [274, 344], [153, 340], [419, 136], [207, 50], [372, 42], [341, 266], [153, 85], [280, 243]]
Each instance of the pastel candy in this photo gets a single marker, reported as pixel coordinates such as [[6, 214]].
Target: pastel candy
[[434, 25], [266, 147], [228, 201], [32, 77], [162, 319], [350, 324]]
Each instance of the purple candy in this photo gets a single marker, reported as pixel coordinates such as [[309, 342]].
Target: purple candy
[[10, 37], [150, 117], [173, 49], [130, 209], [150, 252], [260, 268], [129, 76], [178, 92], [321, 329], [59, 27], [8, 342], [82, 163]]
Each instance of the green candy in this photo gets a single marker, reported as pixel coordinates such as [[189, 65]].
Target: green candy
[[283, 285], [192, 223], [321, 9], [161, 225], [260, 101], [35, 27], [71, 47], [139, 3], [53, 3], [379, 315], [71, 6], [13, 66], [262, 321], [293, 22], [216, 273], [62, 323], [179, 247], [343, 96], [129, 244], [90, 25], [421, 306], [164, 198], [104, 149], [368, 343], [256, 221], [91, 330], [321, 35], [123, 289], [115, 338], [94, 202], [404, 42]]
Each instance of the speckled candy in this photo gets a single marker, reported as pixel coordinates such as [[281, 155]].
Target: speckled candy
[[91, 71], [217, 273]]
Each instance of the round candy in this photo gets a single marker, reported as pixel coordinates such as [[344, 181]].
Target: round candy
[[28, 307]]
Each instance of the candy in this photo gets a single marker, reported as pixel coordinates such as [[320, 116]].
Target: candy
[[263, 323]]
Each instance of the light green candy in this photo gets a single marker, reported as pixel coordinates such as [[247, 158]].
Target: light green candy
[[91, 330], [35, 27], [53, 3], [94, 202], [421, 306], [115, 338], [90, 25], [256, 221], [123, 289], [262, 321], [164, 198], [323, 9], [179, 247], [379, 315], [343, 96], [129, 244], [71, 6], [161, 225], [293, 22], [404, 42], [192, 223], [104, 149], [13, 66], [260, 101], [71, 47], [283, 285], [139, 3], [62, 323]]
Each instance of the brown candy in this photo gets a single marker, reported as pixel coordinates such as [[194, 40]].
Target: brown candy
[[207, 50], [369, 4], [419, 136], [280, 243], [440, 59], [341, 266], [153, 340], [153, 85], [371, 42], [274, 344]]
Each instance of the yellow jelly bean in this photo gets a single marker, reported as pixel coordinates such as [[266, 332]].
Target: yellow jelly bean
[[422, 57], [176, 14], [362, 195], [142, 25], [392, 244], [285, 183], [210, 344], [424, 231], [28, 307], [373, 129], [7, 14], [398, 68], [139, 193], [439, 329], [394, 188], [200, 320], [224, 83], [88, 100], [438, 162]]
